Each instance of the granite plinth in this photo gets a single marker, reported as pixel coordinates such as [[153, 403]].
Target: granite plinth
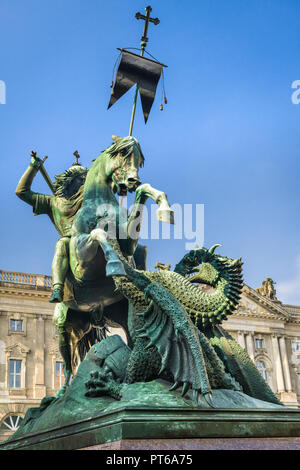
[[200, 444]]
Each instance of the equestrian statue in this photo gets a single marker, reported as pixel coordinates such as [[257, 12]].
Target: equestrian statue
[[100, 280]]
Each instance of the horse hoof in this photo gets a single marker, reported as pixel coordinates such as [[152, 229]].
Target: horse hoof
[[165, 215], [115, 268]]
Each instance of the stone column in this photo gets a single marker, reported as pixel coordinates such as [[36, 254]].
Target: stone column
[[278, 365], [285, 364], [39, 358], [250, 345], [241, 339]]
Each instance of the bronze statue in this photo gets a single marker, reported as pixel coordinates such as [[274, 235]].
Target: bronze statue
[[173, 327], [61, 208], [83, 204]]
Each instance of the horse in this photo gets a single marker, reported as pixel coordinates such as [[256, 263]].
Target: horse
[[91, 302]]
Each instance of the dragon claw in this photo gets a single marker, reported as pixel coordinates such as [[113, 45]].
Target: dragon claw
[[196, 396], [174, 386], [208, 398], [185, 389]]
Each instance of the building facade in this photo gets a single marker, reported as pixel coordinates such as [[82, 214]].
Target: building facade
[[31, 365], [270, 333]]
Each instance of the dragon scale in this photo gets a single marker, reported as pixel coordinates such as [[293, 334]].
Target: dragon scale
[[203, 308]]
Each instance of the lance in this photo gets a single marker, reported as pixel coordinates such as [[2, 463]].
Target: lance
[[43, 171], [144, 40]]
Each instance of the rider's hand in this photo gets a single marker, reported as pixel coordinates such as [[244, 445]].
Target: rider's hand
[[36, 161]]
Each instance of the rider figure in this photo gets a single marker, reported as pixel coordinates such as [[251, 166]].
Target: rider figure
[[61, 208]]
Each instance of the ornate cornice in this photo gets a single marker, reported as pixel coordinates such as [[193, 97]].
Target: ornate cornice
[[271, 309], [274, 309], [17, 347], [15, 289]]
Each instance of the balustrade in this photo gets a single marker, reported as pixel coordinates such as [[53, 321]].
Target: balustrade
[[34, 280]]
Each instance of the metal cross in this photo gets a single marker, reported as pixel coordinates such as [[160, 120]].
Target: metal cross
[[144, 40], [147, 19]]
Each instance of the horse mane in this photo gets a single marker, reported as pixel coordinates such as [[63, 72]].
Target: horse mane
[[125, 146], [68, 183]]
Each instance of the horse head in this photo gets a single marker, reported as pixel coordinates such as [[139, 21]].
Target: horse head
[[125, 159]]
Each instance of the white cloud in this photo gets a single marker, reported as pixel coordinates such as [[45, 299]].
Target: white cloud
[[289, 291]]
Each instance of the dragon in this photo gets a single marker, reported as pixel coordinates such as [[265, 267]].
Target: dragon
[[175, 325]]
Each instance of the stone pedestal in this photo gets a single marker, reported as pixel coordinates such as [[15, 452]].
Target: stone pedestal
[[169, 428], [188, 445], [149, 414]]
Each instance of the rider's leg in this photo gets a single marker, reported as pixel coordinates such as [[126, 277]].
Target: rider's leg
[[60, 266]]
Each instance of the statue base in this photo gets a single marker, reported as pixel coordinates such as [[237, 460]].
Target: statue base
[[188, 445], [149, 416], [142, 428]]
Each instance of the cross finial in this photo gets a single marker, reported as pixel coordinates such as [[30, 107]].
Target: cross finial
[[77, 156], [147, 19]]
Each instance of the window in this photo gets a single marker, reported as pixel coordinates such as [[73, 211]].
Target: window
[[12, 422], [59, 374], [14, 380], [298, 375], [296, 346], [259, 343], [262, 369], [16, 325]]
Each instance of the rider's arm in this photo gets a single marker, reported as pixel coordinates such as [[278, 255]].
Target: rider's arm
[[39, 202]]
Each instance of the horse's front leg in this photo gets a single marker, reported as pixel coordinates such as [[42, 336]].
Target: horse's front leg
[[130, 226], [129, 235], [164, 212], [88, 246]]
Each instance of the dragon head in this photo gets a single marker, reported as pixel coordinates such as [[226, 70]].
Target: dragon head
[[213, 266]]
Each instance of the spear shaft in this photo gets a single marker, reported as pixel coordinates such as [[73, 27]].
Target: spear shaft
[[143, 44], [144, 40]]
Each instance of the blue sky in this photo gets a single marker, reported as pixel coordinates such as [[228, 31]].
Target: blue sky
[[228, 138]]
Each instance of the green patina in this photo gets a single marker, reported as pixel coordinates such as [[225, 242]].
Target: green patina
[[173, 325]]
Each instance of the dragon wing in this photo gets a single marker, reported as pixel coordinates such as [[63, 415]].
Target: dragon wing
[[240, 366], [170, 329]]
